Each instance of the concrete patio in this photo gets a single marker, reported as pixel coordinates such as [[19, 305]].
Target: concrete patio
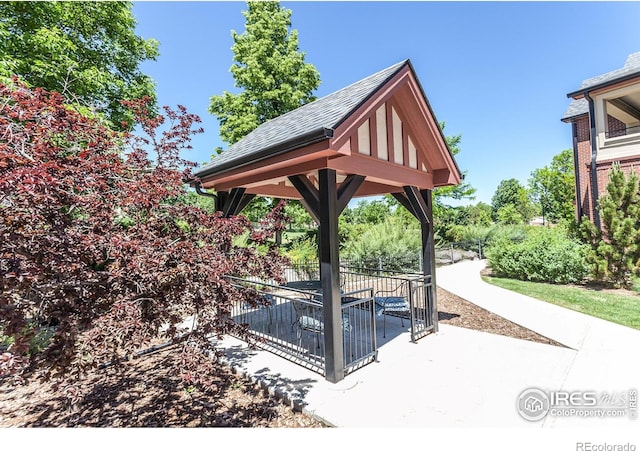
[[460, 377]]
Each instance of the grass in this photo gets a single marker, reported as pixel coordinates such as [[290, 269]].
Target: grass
[[612, 305], [293, 235]]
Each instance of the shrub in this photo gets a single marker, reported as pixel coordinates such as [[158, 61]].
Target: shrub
[[96, 256], [514, 233], [389, 240], [454, 233], [509, 215], [545, 255], [303, 249]]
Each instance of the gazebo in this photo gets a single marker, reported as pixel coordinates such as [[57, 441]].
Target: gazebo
[[376, 136]]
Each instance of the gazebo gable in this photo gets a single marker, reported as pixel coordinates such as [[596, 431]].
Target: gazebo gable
[[397, 126]]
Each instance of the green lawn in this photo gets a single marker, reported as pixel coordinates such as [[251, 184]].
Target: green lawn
[[621, 308]]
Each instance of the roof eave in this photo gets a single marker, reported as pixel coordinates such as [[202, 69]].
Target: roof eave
[[569, 119], [313, 137], [580, 92]]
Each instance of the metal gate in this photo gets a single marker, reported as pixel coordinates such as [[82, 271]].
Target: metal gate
[[421, 302]]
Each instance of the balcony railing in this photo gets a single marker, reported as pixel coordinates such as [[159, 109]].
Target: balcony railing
[[622, 132]]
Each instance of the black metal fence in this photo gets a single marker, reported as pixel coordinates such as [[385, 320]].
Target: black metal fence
[[622, 131], [289, 322], [412, 292], [448, 253], [445, 253]]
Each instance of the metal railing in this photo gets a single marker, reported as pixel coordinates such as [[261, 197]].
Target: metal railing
[[417, 289], [290, 323], [616, 132]]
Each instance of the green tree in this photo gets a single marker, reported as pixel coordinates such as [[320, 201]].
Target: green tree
[[615, 248], [268, 68], [458, 192], [298, 215], [87, 51], [507, 214], [272, 75], [553, 187], [511, 192], [479, 214], [370, 212]]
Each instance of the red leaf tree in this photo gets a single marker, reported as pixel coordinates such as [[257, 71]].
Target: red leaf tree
[[98, 256]]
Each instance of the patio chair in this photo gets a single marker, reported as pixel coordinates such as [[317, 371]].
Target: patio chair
[[309, 318], [394, 301]]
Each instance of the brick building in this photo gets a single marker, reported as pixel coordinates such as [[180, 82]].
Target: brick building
[[605, 121]]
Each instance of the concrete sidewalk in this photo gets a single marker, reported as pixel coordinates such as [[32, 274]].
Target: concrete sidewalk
[[460, 377], [606, 359]]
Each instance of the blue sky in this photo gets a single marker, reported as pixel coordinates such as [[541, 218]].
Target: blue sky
[[496, 73]]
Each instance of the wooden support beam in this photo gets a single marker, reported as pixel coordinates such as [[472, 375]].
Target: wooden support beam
[[442, 177], [429, 254], [418, 204], [402, 198], [223, 197], [232, 204], [308, 192], [246, 198], [310, 210], [347, 189], [330, 276]]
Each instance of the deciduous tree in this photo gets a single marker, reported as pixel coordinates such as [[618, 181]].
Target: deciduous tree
[[553, 188], [462, 191], [511, 192], [87, 51]]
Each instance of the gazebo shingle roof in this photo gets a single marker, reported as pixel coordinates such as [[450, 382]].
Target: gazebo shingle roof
[[309, 123]]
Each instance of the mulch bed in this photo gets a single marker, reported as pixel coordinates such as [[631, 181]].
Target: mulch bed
[[456, 311], [148, 393]]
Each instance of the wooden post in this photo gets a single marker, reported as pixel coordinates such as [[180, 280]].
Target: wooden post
[[429, 254], [329, 275]]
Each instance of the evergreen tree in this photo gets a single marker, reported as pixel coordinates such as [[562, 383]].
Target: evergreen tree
[[272, 75], [269, 69], [615, 249]]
